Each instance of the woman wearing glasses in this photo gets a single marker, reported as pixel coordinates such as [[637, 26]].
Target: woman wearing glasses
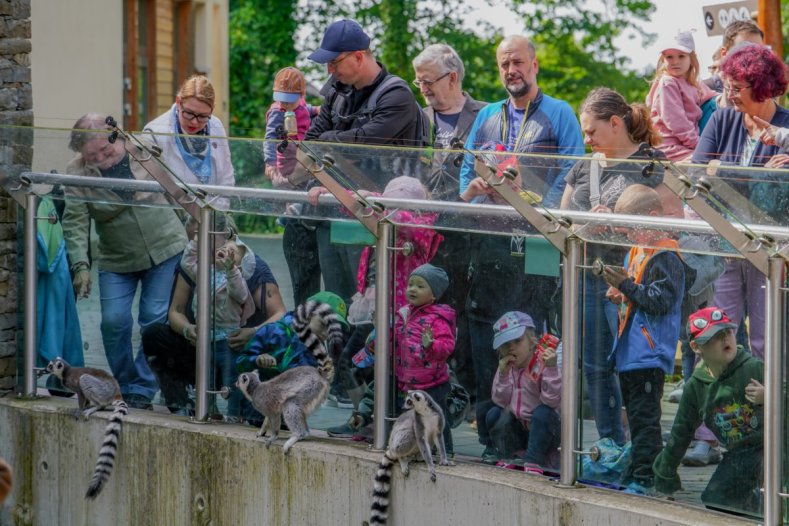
[[753, 77], [193, 141]]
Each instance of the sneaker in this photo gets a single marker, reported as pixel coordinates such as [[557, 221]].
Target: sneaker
[[676, 395], [343, 431], [701, 454], [136, 401], [533, 469], [634, 488], [490, 455]]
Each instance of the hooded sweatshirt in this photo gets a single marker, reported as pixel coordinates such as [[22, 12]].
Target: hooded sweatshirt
[[721, 404], [417, 366]]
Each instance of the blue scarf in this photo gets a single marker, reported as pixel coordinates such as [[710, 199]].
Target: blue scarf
[[195, 150]]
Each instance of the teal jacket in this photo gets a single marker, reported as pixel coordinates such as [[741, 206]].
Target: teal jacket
[[721, 404]]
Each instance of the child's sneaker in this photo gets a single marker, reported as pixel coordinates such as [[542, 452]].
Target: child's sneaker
[[533, 469], [343, 431], [676, 395], [490, 455], [634, 488], [702, 454]]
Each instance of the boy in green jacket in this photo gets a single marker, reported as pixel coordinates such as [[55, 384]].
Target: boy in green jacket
[[726, 393]]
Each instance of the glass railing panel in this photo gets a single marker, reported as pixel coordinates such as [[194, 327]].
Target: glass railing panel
[[662, 416]]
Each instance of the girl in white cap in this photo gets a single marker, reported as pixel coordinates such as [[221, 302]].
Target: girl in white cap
[[676, 96]]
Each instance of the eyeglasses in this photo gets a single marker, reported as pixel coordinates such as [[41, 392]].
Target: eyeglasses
[[732, 90], [333, 63], [427, 83], [701, 323], [192, 116]]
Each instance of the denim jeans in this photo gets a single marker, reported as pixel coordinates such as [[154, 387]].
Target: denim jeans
[[224, 375], [508, 434], [600, 323], [117, 292]]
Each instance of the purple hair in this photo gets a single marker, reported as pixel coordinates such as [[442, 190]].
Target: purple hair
[[759, 67]]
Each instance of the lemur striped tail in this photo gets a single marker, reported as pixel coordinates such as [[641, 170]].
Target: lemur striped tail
[[334, 341], [379, 511], [109, 447]]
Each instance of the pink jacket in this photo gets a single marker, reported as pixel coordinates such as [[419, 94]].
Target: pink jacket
[[415, 366], [425, 241], [518, 392], [286, 161], [675, 108]]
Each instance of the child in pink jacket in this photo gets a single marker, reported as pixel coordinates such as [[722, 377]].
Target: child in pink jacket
[[424, 338], [526, 393], [676, 96]]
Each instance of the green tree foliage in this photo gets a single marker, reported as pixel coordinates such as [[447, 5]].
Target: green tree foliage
[[576, 45]]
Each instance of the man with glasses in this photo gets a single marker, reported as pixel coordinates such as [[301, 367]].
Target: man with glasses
[[363, 104], [438, 73], [355, 75]]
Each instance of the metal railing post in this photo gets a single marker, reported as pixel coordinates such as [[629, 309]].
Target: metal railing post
[[570, 362], [203, 314], [31, 293], [382, 316], [775, 318]]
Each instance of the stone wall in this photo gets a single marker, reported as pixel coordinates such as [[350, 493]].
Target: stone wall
[[16, 152]]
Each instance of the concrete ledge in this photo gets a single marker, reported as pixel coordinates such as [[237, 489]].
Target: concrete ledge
[[172, 472]]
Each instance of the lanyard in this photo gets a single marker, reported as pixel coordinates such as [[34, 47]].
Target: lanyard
[[506, 128]]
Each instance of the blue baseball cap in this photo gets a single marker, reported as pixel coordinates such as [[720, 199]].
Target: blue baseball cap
[[343, 35]]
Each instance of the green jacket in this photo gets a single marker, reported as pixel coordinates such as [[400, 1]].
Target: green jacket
[[131, 238], [721, 404]]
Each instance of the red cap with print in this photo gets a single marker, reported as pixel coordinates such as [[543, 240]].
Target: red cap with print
[[706, 323]]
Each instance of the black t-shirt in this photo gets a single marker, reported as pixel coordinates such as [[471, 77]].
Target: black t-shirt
[[445, 129]]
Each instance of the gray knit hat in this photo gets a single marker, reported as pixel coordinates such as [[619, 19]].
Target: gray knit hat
[[435, 277]]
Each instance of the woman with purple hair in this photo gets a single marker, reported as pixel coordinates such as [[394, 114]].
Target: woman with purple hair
[[753, 78]]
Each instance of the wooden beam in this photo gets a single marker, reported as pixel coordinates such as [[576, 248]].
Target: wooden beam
[[769, 19]]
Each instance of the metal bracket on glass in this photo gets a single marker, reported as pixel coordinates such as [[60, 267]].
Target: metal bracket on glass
[[554, 229], [224, 392], [149, 157], [407, 249], [317, 166], [51, 218], [687, 190]]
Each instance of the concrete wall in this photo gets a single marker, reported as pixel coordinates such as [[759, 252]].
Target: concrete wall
[[171, 472]]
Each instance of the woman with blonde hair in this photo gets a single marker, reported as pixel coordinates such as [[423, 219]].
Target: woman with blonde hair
[[192, 139]]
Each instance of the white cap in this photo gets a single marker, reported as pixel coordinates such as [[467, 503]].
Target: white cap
[[682, 41]]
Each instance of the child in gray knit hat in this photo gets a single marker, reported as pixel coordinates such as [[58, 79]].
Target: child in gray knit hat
[[424, 338]]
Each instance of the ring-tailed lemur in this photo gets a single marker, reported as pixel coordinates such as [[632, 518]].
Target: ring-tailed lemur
[[419, 426], [296, 393], [97, 387]]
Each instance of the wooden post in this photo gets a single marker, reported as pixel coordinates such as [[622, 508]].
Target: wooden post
[[769, 19]]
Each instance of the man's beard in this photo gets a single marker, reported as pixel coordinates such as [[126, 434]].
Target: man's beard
[[524, 88]]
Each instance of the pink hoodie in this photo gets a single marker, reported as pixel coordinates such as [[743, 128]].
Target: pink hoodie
[[521, 395], [675, 108]]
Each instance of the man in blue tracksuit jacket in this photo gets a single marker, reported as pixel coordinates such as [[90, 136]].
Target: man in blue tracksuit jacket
[[526, 122]]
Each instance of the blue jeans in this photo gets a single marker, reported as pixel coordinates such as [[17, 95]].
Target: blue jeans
[[224, 374], [600, 322], [509, 434], [117, 294]]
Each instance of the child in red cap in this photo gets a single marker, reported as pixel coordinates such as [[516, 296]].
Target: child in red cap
[[726, 393]]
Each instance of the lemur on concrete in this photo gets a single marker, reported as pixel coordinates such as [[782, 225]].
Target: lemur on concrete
[[419, 426], [296, 393], [97, 387]]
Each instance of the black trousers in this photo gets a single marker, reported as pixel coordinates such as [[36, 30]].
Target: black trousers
[[642, 391], [300, 247], [173, 360]]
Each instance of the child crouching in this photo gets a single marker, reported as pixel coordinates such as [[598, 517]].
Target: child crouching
[[527, 393], [726, 393]]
